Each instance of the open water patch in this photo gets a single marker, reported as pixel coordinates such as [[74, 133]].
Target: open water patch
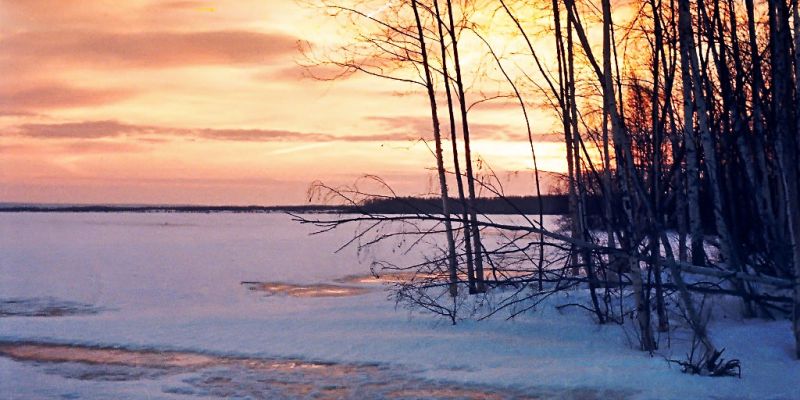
[[44, 307], [309, 290]]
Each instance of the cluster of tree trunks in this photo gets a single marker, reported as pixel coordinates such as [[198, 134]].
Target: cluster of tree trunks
[[704, 109], [733, 141]]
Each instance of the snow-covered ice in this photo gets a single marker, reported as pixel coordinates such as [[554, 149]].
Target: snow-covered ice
[[173, 282]]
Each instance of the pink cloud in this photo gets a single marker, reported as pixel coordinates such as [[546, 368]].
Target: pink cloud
[[148, 133], [144, 49], [56, 95], [81, 130]]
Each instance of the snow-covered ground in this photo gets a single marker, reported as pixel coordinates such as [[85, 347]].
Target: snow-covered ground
[[173, 282]]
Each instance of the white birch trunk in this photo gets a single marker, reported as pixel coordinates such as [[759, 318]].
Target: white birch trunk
[[437, 136]]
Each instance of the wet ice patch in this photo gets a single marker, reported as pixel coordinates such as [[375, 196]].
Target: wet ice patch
[[239, 377], [302, 380], [310, 290], [102, 355], [103, 364], [44, 307], [389, 277], [104, 372]]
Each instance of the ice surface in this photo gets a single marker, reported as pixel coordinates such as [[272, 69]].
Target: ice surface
[[173, 282]]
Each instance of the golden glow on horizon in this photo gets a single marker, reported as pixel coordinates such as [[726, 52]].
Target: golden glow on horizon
[[203, 102]]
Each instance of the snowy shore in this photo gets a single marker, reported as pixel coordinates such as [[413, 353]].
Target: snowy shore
[[173, 282]]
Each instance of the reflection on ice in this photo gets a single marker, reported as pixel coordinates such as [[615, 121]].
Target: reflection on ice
[[388, 277], [237, 377], [310, 290]]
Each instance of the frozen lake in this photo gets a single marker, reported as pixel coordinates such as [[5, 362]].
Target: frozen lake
[[144, 283]]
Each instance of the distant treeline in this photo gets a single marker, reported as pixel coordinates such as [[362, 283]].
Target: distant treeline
[[554, 204], [171, 209], [551, 205]]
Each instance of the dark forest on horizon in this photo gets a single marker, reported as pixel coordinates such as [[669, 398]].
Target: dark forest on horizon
[[552, 205]]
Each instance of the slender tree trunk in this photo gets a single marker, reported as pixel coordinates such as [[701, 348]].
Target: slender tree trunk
[[785, 134], [607, 178], [567, 102], [692, 169], [727, 245], [655, 179], [580, 189], [624, 165], [740, 128], [569, 139], [454, 142], [624, 159], [473, 215], [730, 112], [791, 202], [756, 91], [608, 192], [796, 18], [679, 188], [796, 204], [437, 136], [784, 114]]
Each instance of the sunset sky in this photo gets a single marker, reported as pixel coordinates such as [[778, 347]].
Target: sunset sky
[[203, 102]]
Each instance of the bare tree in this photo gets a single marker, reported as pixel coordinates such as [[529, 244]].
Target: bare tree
[[657, 138]]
